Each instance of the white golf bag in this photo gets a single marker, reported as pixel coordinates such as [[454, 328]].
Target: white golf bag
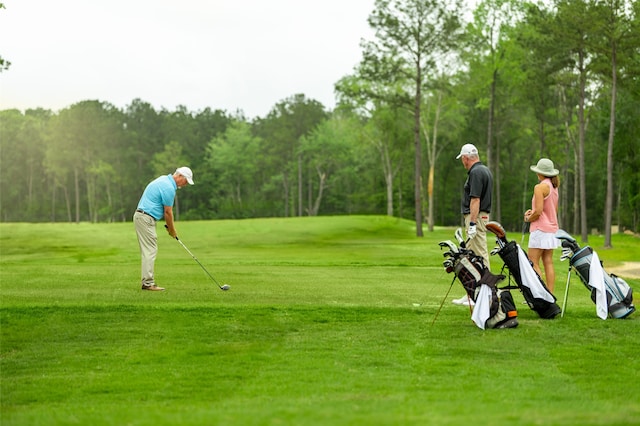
[[611, 294]]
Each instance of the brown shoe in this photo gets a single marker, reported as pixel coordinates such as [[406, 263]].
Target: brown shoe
[[152, 288]]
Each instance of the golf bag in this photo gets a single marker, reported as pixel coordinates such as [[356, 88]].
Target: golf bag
[[494, 307], [611, 294], [530, 284]]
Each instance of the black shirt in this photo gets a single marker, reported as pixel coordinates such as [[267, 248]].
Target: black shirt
[[479, 184]]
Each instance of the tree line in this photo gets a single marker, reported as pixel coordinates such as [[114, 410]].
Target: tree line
[[520, 80]]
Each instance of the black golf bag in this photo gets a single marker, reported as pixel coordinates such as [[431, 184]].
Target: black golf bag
[[494, 307], [587, 265], [530, 284]]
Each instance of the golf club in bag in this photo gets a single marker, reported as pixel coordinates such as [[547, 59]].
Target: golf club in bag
[[493, 306], [530, 284], [611, 294], [224, 287]]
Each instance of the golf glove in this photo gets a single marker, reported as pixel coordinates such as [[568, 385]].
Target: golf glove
[[472, 231]]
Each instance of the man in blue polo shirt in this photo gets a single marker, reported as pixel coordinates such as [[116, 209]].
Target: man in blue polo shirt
[[155, 204]]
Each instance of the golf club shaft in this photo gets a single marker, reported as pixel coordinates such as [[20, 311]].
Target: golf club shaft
[[445, 298], [196, 259], [525, 228], [566, 293]]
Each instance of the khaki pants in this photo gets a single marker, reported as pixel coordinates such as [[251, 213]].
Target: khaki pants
[[148, 241], [479, 243]]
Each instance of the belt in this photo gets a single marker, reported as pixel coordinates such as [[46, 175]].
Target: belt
[[143, 212]]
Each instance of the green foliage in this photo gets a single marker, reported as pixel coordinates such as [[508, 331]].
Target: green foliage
[[511, 88], [234, 163], [329, 320]]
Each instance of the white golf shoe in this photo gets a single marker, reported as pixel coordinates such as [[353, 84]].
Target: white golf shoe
[[463, 301]]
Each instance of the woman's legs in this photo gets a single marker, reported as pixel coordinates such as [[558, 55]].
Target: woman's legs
[[535, 255], [549, 271]]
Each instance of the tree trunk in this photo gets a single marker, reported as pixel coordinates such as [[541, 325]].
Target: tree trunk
[[76, 180], [432, 154], [309, 192], [496, 209], [388, 177], [581, 134], [313, 210], [431, 219], [91, 183], [285, 185], [576, 194], [176, 203], [418, 157], [53, 202], [612, 127], [68, 203], [299, 185], [490, 163]]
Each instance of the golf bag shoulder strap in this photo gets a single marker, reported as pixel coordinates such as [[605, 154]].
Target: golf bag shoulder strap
[[491, 279]]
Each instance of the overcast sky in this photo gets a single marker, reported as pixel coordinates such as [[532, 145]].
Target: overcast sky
[[222, 54]]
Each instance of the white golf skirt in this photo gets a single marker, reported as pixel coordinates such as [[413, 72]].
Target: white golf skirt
[[543, 240]]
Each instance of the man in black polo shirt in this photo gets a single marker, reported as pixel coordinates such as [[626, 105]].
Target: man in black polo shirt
[[476, 205]]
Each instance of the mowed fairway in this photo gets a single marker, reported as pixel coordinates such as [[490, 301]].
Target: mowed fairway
[[328, 322]]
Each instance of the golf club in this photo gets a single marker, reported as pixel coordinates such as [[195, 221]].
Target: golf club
[[453, 249], [461, 241], [501, 235], [525, 229], [443, 299], [568, 249], [224, 287], [566, 293]]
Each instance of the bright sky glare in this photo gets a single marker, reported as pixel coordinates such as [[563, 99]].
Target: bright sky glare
[[223, 54]]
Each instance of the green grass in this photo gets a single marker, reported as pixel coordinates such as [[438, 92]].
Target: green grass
[[328, 321]]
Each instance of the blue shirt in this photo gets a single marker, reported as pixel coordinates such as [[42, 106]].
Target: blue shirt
[[158, 194]]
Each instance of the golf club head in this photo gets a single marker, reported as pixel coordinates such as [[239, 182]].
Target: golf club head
[[448, 243], [497, 229], [567, 240], [225, 287], [567, 253], [447, 263], [458, 235]]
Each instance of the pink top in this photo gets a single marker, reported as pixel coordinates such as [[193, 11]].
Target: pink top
[[548, 220]]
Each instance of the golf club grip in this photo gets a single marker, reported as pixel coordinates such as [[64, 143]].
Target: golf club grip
[[167, 226]]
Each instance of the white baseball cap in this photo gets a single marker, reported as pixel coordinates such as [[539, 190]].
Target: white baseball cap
[[187, 173], [468, 149]]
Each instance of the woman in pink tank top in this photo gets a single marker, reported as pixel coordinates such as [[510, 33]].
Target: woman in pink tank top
[[543, 219]]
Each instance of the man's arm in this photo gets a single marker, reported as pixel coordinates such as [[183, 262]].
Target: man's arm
[[474, 209], [168, 220]]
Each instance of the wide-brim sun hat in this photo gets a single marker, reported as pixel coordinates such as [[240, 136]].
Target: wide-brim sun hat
[[545, 168]]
